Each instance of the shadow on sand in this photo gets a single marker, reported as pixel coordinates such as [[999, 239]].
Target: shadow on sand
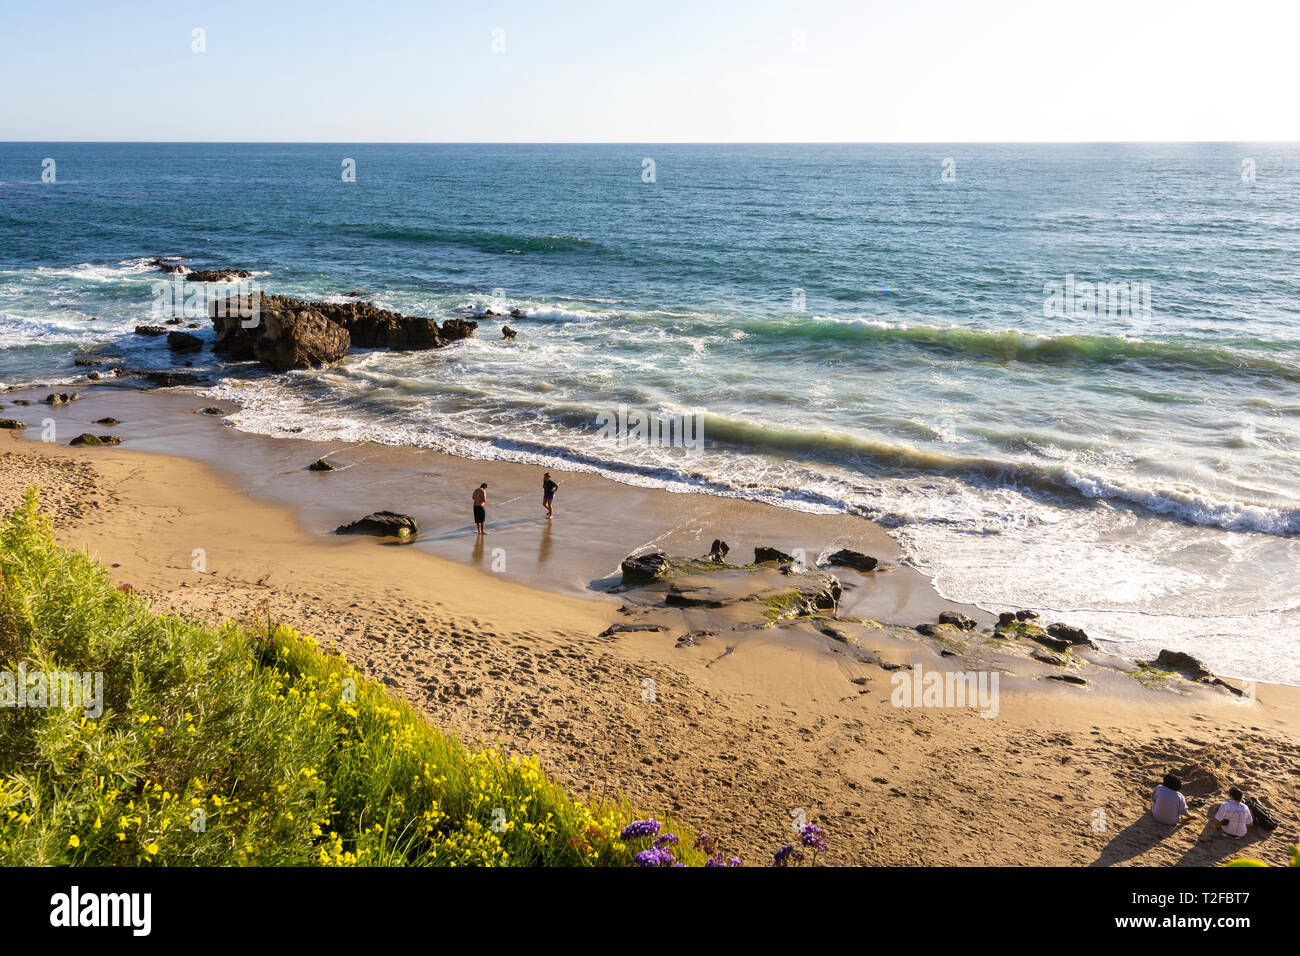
[[1209, 849]]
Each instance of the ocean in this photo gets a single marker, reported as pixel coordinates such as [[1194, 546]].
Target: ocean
[[1065, 377]]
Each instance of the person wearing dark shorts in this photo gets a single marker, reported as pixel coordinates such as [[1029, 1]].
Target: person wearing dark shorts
[[480, 507], [548, 494]]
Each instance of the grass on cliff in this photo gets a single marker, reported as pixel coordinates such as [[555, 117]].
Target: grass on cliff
[[244, 744]]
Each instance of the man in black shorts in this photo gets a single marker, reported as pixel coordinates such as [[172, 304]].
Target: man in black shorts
[[480, 507]]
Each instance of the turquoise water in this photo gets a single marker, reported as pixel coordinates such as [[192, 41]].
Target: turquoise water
[[902, 332]]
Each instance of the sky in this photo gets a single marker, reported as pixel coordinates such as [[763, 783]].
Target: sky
[[650, 71]]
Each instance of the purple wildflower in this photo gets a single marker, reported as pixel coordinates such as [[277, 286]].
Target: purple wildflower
[[787, 856], [706, 843], [811, 836], [654, 857], [639, 828], [666, 839]]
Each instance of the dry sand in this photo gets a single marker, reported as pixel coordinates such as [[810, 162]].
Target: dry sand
[[747, 729]]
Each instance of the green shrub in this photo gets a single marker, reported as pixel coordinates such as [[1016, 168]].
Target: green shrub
[[243, 744]]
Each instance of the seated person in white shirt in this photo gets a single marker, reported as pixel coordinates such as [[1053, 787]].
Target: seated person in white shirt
[[1167, 803], [1234, 817]]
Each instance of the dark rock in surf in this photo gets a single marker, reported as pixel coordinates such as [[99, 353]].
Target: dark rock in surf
[[453, 330], [107, 422], [61, 398], [184, 342], [853, 559], [298, 340], [216, 275], [763, 554], [160, 379], [152, 331], [12, 424], [508, 333], [382, 523], [320, 464], [368, 327]]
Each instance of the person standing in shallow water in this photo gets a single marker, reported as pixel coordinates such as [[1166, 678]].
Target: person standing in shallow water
[[480, 507], [548, 494]]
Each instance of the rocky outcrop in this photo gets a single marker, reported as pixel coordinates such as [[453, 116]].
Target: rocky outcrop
[[764, 554], [320, 464], [853, 559], [1183, 663], [150, 330], [644, 568], [1075, 635], [12, 423], [296, 340], [508, 333], [367, 327], [94, 441], [958, 620], [170, 265], [184, 342], [61, 398], [216, 275], [383, 523], [718, 551]]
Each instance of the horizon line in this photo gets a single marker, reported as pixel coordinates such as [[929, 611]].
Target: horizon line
[[577, 142]]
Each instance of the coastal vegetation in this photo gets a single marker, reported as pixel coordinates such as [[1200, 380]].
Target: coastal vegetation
[[248, 743]]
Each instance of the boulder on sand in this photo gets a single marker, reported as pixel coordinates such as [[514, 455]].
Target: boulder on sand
[[1182, 662], [383, 523], [61, 398], [853, 559], [296, 340], [320, 464], [764, 554], [644, 568], [957, 620], [12, 423], [94, 441], [718, 551], [1075, 635]]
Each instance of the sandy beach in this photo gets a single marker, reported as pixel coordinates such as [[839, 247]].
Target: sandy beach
[[751, 724]]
